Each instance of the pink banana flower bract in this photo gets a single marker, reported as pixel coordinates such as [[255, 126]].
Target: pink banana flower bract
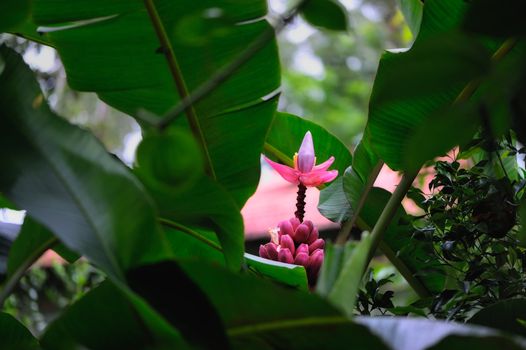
[[305, 171], [295, 242]]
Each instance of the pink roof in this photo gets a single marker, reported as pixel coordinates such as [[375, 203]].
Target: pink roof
[[274, 201]]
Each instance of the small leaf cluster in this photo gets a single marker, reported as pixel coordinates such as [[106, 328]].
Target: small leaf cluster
[[471, 221], [373, 299]]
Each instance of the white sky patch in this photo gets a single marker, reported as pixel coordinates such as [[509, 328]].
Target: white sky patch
[[370, 12], [43, 60], [316, 94], [277, 6], [351, 4], [306, 62], [354, 63], [299, 31], [294, 109], [131, 141], [12, 216], [519, 157]]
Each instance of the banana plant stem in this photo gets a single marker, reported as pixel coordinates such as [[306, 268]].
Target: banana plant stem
[[390, 210]]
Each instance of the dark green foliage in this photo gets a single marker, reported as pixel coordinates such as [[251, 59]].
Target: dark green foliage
[[13, 13], [504, 19], [118, 57], [4, 203], [419, 334], [454, 342], [403, 245], [333, 203], [506, 315], [470, 220], [15, 335], [372, 298], [180, 302], [106, 319], [76, 174], [258, 314], [327, 14]]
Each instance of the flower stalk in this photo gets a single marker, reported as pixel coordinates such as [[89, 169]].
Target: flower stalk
[[300, 202]]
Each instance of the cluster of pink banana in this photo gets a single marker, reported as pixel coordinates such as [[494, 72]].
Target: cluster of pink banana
[[297, 243]]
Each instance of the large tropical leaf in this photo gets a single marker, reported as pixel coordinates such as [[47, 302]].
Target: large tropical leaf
[[261, 315], [403, 100], [12, 13], [441, 17], [506, 315], [91, 323], [333, 203], [111, 48], [13, 335], [191, 242], [504, 20], [66, 180], [327, 14], [420, 334], [170, 167], [160, 298], [181, 302], [415, 86], [206, 205], [287, 274]]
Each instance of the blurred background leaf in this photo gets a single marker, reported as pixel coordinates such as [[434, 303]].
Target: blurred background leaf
[[326, 14]]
